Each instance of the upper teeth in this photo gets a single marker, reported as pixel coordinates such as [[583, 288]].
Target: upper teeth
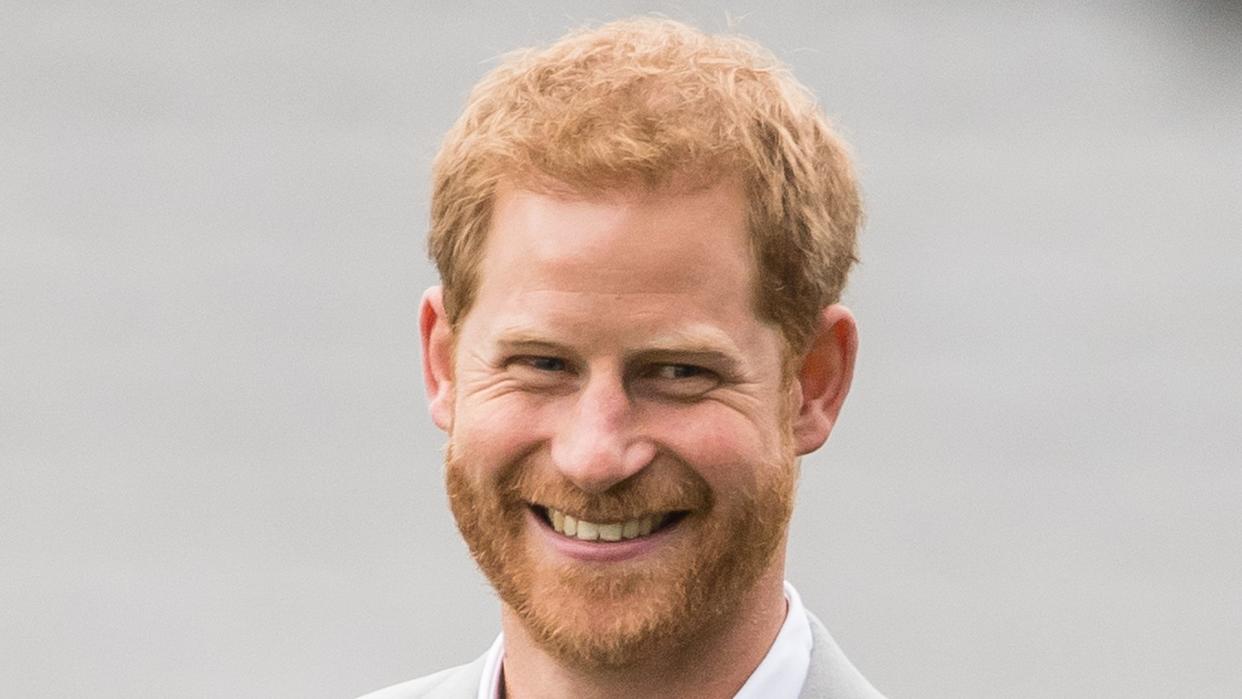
[[592, 531]]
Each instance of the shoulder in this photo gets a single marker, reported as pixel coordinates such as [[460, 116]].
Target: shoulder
[[461, 682], [831, 674]]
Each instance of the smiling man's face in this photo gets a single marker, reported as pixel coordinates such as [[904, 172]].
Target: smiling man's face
[[620, 460]]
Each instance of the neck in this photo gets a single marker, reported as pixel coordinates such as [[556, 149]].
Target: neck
[[715, 664]]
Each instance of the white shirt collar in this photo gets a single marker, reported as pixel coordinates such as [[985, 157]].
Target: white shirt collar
[[489, 683], [780, 674]]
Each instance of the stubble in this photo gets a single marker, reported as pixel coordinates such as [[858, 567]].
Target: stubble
[[613, 615]]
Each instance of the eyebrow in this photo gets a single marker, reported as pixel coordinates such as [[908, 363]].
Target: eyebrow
[[526, 340]]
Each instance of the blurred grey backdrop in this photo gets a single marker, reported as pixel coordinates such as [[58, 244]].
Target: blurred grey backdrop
[[218, 474]]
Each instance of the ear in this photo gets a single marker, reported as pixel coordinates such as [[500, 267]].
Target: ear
[[437, 337], [824, 377]]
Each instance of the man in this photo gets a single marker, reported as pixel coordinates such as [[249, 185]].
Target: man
[[642, 233]]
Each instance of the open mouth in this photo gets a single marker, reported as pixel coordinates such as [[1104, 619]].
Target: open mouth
[[637, 528]]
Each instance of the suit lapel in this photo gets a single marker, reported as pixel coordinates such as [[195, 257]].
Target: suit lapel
[[831, 675]]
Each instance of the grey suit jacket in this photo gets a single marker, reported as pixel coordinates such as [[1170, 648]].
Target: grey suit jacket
[[830, 676]]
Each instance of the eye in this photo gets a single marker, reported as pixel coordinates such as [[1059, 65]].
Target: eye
[[540, 372], [543, 363], [679, 381], [679, 371]]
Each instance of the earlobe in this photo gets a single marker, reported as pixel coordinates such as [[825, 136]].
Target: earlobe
[[437, 340], [824, 377]]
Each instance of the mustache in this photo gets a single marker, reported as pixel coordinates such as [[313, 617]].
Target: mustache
[[661, 488]]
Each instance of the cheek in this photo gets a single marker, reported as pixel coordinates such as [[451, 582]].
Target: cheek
[[495, 432], [724, 447]]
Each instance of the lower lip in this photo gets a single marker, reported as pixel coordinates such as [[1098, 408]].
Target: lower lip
[[599, 551]]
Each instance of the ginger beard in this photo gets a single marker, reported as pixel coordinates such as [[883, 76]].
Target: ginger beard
[[611, 615]]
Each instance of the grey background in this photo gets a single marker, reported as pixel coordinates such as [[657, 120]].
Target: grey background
[[218, 475]]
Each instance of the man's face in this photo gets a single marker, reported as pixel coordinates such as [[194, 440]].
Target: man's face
[[620, 459]]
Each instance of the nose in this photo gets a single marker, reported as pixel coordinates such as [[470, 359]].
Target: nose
[[600, 444]]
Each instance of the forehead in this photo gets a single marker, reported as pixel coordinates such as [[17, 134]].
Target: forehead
[[655, 263], [620, 239]]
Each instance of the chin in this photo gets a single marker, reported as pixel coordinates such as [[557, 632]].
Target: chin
[[617, 614], [601, 620]]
